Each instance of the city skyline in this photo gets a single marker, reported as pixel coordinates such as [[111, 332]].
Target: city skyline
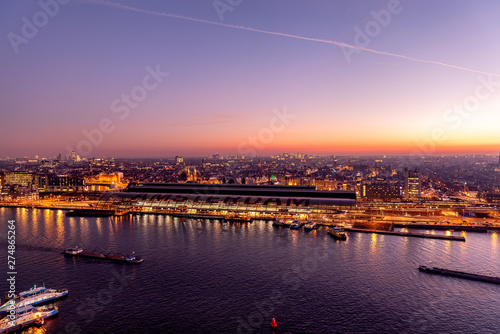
[[195, 78]]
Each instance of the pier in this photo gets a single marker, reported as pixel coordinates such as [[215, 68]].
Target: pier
[[443, 227], [459, 274], [407, 234]]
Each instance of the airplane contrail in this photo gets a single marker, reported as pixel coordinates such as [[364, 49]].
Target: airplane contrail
[[340, 44]]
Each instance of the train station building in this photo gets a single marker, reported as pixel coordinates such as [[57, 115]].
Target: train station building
[[223, 199]]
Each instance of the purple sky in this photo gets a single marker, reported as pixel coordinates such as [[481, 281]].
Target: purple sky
[[427, 80]]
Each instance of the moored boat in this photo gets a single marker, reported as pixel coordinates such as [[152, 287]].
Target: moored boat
[[296, 224], [32, 291], [311, 225], [35, 315], [278, 222], [44, 297], [337, 233]]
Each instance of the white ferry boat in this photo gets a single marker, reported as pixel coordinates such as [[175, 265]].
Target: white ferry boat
[[44, 297], [26, 319]]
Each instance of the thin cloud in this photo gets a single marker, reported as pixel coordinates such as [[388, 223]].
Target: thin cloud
[[340, 44]]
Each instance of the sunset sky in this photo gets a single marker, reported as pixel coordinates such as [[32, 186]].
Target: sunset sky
[[249, 76]]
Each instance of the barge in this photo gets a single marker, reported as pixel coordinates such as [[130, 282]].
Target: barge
[[460, 274], [110, 257], [95, 213]]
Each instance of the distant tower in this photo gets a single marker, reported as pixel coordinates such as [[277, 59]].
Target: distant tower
[[412, 184], [179, 160]]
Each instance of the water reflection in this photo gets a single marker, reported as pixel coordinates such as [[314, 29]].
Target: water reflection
[[373, 243], [494, 243]]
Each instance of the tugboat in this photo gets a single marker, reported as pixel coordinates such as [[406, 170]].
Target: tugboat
[[34, 316], [337, 233], [74, 251], [133, 259]]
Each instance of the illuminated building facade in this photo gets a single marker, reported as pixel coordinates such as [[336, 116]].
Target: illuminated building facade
[[223, 198], [22, 179], [382, 191], [412, 184]]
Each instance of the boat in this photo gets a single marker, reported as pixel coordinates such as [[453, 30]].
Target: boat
[[460, 274], [110, 257], [132, 258], [44, 297], [311, 225], [278, 222], [32, 291], [287, 223], [90, 213], [34, 316], [296, 224], [337, 233], [74, 251]]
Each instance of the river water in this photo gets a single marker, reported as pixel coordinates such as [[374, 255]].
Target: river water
[[202, 276]]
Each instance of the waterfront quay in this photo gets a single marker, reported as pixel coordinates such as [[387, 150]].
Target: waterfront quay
[[245, 203]]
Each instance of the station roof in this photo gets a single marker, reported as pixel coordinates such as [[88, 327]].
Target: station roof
[[239, 190]]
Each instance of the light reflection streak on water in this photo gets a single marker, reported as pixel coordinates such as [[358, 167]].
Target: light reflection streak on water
[[295, 239], [373, 243], [60, 224], [494, 244]]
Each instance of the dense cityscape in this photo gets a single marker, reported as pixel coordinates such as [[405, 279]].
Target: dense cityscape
[[469, 183], [249, 167]]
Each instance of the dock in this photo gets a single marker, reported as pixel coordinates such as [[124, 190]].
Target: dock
[[407, 234], [443, 227]]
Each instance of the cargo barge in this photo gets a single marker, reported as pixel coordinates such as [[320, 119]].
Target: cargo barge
[[116, 258], [95, 213], [460, 274]]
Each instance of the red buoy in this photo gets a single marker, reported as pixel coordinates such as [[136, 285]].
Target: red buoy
[[274, 324]]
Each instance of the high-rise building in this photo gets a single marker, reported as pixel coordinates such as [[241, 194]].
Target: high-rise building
[[383, 191], [412, 184], [179, 160], [22, 179]]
